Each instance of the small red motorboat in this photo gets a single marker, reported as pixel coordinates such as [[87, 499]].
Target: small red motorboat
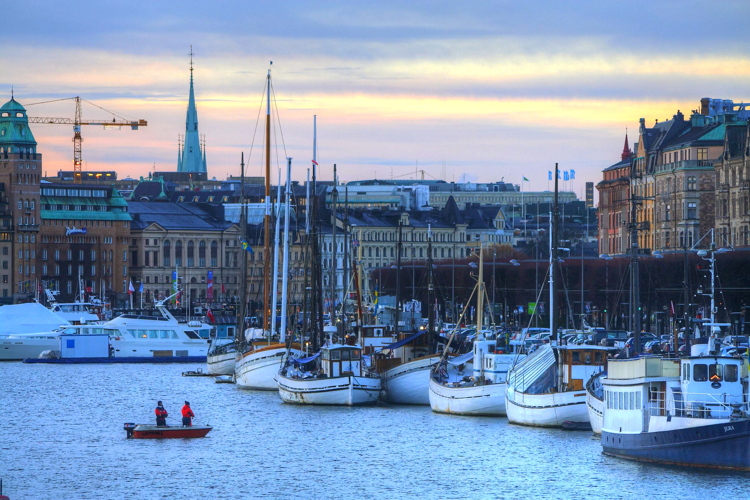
[[148, 431]]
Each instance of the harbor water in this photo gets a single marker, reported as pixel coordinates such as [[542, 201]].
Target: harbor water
[[63, 437]]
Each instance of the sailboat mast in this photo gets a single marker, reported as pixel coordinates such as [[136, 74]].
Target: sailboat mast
[[553, 262], [430, 292], [285, 269], [480, 289], [635, 294], [267, 216], [399, 245], [275, 284], [243, 261], [334, 265]]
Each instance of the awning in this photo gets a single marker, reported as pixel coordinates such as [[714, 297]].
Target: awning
[[302, 361], [459, 360], [406, 340]]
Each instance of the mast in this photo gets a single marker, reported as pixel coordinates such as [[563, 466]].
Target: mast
[[243, 260], [553, 262], [430, 292], [334, 266], [285, 271], [267, 216], [347, 242], [635, 294], [399, 245], [480, 289], [275, 286]]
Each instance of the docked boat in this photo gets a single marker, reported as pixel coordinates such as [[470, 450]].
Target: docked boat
[[333, 376], [546, 389], [692, 411], [221, 357], [148, 431], [27, 330], [595, 401]]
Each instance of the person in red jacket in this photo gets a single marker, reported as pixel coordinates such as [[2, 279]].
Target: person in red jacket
[[161, 415], [187, 415]]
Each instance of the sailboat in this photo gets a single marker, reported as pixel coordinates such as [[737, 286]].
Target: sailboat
[[257, 363], [546, 389], [334, 375], [484, 392]]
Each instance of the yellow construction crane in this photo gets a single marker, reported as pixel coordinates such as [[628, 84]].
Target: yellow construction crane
[[77, 122]]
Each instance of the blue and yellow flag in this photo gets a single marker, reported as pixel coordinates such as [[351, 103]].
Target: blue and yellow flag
[[246, 246]]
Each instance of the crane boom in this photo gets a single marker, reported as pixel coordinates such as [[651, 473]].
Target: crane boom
[[77, 139]]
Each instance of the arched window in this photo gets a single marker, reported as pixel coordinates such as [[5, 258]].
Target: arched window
[[202, 254], [178, 253], [214, 252], [190, 254]]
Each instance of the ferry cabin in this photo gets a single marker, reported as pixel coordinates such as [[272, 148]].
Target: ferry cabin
[[655, 394]]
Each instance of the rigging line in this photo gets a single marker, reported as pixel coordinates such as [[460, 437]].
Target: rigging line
[[257, 121], [103, 109], [47, 102], [278, 118]]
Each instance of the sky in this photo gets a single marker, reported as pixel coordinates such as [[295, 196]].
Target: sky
[[477, 91]]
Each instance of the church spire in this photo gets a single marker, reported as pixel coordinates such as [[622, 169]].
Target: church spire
[[191, 159], [626, 153]]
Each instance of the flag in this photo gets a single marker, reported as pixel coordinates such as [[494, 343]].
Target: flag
[[246, 246], [549, 175], [525, 179], [210, 285], [566, 177], [140, 289], [559, 173], [223, 290], [315, 162], [671, 308], [572, 174], [130, 288], [376, 300], [210, 315], [174, 281]]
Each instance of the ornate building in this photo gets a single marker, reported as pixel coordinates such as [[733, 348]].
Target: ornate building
[[20, 173], [614, 205], [733, 186], [190, 157]]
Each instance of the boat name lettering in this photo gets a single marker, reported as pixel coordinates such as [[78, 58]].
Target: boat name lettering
[[728, 428], [74, 230]]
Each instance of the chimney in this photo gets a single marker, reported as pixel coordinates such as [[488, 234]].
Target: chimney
[[704, 105]]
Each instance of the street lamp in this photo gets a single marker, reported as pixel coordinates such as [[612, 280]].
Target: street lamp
[[710, 256]]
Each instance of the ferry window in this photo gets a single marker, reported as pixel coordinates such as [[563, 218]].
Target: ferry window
[[731, 373], [164, 334], [715, 373], [631, 402], [174, 334], [637, 400], [346, 355], [700, 373], [191, 334], [335, 355], [686, 371], [619, 401], [576, 357]]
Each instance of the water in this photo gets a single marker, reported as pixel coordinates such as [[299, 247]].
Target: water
[[62, 437]]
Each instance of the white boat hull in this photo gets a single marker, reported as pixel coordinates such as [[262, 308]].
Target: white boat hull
[[595, 408], [221, 364], [16, 349], [476, 400], [347, 390], [409, 383], [546, 410], [257, 369]]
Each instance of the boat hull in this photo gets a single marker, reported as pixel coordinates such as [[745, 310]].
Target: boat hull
[[595, 408], [476, 400], [721, 445], [221, 364], [409, 383], [546, 410], [143, 431], [347, 390], [19, 349], [257, 369]]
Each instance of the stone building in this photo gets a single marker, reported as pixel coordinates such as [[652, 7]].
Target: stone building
[[84, 235], [614, 204], [20, 174], [733, 186]]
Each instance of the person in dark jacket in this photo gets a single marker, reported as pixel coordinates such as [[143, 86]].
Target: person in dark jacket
[[187, 415], [161, 415]]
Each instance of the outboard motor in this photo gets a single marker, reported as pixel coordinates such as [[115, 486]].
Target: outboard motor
[[129, 429]]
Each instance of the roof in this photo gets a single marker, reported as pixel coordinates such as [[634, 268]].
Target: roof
[[14, 125], [174, 216]]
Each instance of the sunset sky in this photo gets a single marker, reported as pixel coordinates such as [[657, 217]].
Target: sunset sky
[[477, 91]]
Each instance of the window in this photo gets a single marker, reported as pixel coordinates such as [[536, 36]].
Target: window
[[692, 183], [692, 210], [702, 153], [700, 373]]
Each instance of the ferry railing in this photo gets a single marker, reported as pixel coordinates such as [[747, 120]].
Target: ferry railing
[[698, 405]]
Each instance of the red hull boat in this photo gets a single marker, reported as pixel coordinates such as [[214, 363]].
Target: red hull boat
[[146, 431]]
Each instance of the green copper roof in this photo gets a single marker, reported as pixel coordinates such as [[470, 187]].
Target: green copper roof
[[717, 134], [14, 125], [83, 215]]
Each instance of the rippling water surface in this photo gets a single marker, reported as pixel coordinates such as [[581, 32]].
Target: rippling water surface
[[62, 437]]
